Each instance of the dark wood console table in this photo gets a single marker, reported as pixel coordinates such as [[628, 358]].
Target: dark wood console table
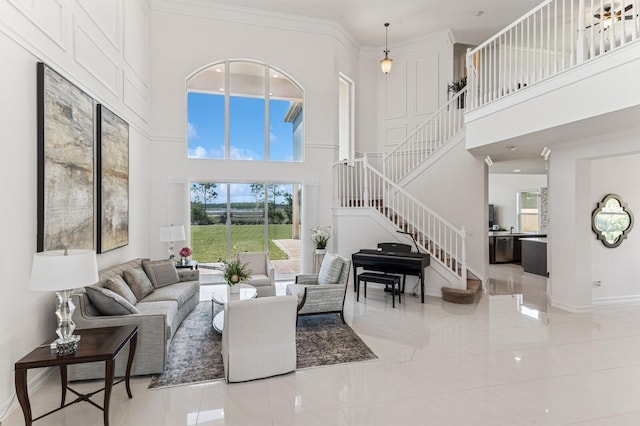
[[96, 344]]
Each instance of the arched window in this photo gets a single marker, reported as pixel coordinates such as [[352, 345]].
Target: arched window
[[244, 110]]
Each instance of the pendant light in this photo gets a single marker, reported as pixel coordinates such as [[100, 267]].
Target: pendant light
[[386, 63]]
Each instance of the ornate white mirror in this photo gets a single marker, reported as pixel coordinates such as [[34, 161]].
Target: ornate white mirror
[[611, 221]]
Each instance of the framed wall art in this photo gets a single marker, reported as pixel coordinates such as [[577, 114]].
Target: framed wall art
[[113, 180], [65, 206]]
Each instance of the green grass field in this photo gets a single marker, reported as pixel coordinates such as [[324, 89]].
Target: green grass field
[[209, 242]]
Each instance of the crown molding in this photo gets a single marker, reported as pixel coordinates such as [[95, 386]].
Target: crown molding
[[249, 16]]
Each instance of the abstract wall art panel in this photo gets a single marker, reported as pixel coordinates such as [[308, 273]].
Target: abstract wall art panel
[[65, 163], [113, 180]]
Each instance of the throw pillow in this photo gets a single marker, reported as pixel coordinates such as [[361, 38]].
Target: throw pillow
[[119, 286], [330, 269], [161, 272], [138, 282], [109, 303]]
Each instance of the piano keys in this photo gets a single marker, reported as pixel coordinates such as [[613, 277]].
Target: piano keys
[[393, 263]]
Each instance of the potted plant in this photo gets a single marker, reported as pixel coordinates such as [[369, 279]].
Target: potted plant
[[185, 254], [457, 86], [320, 236], [235, 272]]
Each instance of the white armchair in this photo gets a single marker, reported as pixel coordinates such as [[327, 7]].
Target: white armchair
[[325, 292], [263, 273], [259, 338]]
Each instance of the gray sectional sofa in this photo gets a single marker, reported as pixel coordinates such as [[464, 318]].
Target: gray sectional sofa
[[157, 315]]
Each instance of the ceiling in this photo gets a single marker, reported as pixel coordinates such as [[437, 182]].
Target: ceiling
[[473, 21]]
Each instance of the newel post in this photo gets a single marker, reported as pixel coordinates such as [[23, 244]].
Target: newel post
[[463, 272]]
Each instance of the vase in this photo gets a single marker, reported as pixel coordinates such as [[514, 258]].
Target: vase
[[321, 250], [184, 261], [234, 288]]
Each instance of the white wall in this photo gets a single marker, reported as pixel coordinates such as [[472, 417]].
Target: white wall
[[502, 194], [185, 39], [415, 87], [455, 188], [576, 184], [85, 42], [618, 268]]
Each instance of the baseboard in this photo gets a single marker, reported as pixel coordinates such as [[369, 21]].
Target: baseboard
[[7, 407], [619, 300], [570, 308]]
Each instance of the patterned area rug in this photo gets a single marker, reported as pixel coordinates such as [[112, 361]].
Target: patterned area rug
[[194, 355]]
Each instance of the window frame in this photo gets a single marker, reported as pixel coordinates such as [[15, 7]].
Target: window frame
[[227, 111]]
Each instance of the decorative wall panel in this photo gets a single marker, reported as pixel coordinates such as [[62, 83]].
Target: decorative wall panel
[[395, 92], [104, 15], [426, 84], [135, 95], [47, 15], [136, 48], [92, 58], [65, 163], [394, 135]]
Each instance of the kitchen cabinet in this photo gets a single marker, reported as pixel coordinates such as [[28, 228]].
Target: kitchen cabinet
[[507, 247]]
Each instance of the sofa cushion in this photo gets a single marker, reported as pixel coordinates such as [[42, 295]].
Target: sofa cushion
[[138, 282], [161, 272], [119, 286], [179, 292], [167, 307], [329, 270], [109, 303]]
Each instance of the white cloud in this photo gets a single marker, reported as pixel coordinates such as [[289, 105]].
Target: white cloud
[[242, 154], [272, 137], [192, 133], [198, 152]]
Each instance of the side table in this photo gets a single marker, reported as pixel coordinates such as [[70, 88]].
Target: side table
[[96, 344], [193, 264]]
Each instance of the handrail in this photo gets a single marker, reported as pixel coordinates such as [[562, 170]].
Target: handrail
[[437, 130]]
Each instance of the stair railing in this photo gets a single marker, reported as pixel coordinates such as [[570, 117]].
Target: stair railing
[[551, 38], [436, 131], [358, 185]]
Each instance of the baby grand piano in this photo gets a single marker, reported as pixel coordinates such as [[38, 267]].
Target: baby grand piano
[[392, 262]]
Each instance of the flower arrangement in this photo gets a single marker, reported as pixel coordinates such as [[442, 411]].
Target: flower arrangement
[[235, 271], [320, 236], [186, 252]]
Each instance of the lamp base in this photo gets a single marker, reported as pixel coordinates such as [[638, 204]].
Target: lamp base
[[67, 347]]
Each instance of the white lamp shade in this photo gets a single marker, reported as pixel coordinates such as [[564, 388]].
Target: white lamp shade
[[55, 270], [386, 65], [172, 233]]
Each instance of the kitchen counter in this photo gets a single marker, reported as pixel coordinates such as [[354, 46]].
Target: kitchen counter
[[534, 256], [505, 246]]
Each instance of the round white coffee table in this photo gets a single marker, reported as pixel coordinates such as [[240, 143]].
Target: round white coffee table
[[221, 297]]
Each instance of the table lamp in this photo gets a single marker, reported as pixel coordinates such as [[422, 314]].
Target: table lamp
[[62, 271], [171, 234]]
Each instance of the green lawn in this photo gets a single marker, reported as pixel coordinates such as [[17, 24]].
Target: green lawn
[[209, 242]]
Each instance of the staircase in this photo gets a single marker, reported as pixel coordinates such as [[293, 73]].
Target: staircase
[[359, 185]]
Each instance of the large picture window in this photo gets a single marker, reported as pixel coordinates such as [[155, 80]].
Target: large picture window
[[243, 110]]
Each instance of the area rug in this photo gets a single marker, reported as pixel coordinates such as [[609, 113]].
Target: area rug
[[194, 354]]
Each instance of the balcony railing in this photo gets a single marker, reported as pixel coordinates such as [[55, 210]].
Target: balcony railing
[[553, 37]]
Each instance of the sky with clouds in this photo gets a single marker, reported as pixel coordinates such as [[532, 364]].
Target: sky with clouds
[[205, 128]]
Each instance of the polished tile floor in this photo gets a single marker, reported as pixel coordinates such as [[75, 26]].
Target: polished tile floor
[[508, 360]]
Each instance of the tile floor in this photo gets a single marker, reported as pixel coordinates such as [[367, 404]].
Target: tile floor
[[509, 360]]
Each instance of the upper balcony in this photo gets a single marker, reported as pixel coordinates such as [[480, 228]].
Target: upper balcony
[[562, 63]]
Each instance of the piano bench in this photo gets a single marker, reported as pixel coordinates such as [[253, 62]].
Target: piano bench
[[390, 280]]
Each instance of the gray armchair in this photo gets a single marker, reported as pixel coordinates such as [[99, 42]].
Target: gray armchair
[[325, 292], [263, 272]]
